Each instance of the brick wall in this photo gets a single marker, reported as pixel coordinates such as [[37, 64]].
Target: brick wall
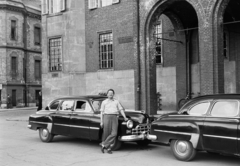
[[118, 18]]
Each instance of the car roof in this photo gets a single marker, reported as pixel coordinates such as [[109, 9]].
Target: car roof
[[219, 96], [82, 97]]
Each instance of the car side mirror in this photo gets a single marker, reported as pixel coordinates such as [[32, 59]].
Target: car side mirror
[[47, 108]]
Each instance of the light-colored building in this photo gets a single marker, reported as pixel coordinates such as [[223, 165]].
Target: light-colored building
[[20, 52], [140, 48]]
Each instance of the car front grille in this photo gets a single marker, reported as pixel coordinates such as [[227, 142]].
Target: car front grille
[[142, 128]]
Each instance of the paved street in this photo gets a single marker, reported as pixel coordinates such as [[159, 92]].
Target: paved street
[[21, 146]]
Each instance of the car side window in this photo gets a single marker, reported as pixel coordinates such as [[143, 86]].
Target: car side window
[[199, 109], [225, 109], [67, 105], [54, 105], [82, 106]]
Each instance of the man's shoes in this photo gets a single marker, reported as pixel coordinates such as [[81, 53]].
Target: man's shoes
[[109, 151], [102, 149]]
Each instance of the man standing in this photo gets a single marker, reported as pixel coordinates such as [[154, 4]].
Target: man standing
[[110, 109], [39, 101], [8, 101]]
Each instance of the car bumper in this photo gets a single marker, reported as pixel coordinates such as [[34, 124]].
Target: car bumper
[[138, 137]]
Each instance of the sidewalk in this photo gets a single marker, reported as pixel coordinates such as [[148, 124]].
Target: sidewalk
[[15, 109]]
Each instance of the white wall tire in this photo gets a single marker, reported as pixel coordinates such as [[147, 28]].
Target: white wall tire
[[45, 135], [183, 150]]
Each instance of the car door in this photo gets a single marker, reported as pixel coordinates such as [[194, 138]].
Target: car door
[[220, 127], [61, 117], [80, 118]]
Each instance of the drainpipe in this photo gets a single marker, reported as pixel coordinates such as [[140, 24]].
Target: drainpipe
[[188, 63], [25, 53], [138, 58]]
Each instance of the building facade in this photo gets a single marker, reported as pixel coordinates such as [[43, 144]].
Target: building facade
[[20, 52], [152, 52]]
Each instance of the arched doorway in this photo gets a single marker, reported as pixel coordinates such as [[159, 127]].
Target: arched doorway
[[228, 38], [177, 74]]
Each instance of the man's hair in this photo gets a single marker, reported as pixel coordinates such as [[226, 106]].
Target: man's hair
[[111, 90]]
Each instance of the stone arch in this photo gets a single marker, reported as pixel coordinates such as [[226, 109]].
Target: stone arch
[[155, 9]]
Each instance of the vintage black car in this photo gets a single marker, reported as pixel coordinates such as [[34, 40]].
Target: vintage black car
[[206, 123], [80, 117]]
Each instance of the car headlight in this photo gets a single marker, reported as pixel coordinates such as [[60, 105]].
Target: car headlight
[[129, 124]]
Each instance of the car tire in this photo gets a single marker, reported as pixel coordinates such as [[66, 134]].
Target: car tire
[[117, 145], [45, 135], [143, 142], [183, 150]]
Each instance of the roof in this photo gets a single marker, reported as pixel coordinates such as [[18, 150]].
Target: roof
[[32, 3], [219, 96]]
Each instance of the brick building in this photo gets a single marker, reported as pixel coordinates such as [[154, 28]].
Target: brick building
[[20, 52], [144, 49]]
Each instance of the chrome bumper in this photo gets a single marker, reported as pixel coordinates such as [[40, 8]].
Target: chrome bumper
[[138, 137]]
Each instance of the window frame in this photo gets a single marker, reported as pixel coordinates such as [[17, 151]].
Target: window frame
[[81, 110], [101, 53], [35, 72], [226, 100], [13, 37], [35, 37], [195, 114], [157, 35], [61, 51], [93, 4], [14, 73], [48, 6]]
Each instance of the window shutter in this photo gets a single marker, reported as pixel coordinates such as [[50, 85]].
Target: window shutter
[[44, 6], [115, 1], [63, 5], [92, 4]]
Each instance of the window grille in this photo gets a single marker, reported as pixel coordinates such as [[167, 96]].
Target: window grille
[[55, 54], [106, 50], [158, 44]]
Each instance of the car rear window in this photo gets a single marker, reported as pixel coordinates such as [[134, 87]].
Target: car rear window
[[225, 109]]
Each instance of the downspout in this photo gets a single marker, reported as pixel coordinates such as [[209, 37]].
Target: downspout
[[138, 59], [25, 53], [188, 63]]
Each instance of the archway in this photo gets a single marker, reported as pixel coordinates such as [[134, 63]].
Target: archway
[[227, 50], [178, 71]]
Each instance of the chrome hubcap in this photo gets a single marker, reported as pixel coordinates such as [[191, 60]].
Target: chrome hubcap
[[181, 147], [45, 132]]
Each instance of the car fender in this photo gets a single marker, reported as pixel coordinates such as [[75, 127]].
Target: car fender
[[36, 122], [167, 131]]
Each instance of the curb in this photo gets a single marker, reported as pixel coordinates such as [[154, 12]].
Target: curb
[[16, 109]]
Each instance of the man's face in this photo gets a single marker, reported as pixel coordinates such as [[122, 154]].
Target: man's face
[[110, 94]]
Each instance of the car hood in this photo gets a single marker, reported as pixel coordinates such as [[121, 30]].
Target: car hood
[[137, 116]]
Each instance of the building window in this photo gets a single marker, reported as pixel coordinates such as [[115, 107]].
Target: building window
[[92, 4], [14, 67], [158, 45], [106, 50], [53, 6], [225, 45], [37, 35], [55, 54], [37, 69], [13, 29]]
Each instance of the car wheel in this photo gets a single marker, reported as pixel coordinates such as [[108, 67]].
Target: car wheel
[[183, 150], [143, 142], [117, 145], [45, 135]]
